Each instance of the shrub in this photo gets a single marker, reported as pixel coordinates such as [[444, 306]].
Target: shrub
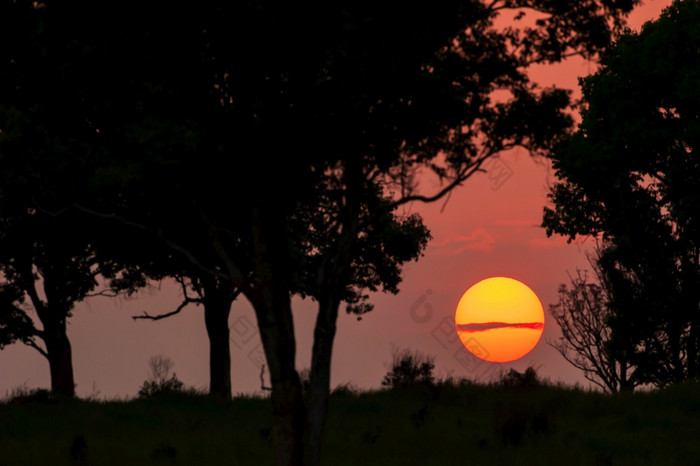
[[409, 368], [35, 395], [159, 381], [515, 379], [345, 389]]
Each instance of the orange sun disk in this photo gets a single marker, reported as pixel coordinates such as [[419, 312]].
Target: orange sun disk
[[499, 319]]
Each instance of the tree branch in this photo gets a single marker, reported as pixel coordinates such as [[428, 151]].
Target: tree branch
[[468, 171], [463, 174], [187, 300], [30, 288], [146, 315], [234, 272], [41, 350]]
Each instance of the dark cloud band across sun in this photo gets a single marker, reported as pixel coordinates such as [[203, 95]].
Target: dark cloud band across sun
[[490, 325]]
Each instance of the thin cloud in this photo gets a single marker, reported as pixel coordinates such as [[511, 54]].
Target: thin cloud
[[478, 240]]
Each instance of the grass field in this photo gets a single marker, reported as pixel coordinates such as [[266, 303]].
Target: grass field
[[440, 425]]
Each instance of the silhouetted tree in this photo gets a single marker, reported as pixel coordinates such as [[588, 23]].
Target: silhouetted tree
[[214, 294], [48, 261], [628, 174], [583, 314], [50, 112], [429, 100], [42, 267], [362, 110], [43, 263], [338, 114], [48, 149]]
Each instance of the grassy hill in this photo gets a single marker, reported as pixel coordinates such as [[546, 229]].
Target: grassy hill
[[447, 424]]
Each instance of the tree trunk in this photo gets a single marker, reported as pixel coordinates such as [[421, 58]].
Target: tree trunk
[[216, 313], [274, 314], [298, 423], [331, 281], [320, 380], [626, 384], [270, 296], [53, 321], [59, 353]]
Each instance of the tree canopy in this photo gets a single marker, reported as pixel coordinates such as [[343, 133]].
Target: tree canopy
[[282, 138], [627, 175]]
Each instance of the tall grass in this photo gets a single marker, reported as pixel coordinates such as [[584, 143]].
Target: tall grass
[[443, 424]]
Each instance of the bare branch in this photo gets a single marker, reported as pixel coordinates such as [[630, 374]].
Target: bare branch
[[182, 305], [186, 300], [468, 171], [581, 313], [462, 175]]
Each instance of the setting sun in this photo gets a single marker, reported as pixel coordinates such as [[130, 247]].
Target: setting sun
[[499, 319]]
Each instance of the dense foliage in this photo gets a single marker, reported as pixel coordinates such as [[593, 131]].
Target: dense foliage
[[628, 176]]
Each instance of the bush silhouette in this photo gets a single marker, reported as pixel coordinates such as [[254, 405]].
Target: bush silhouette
[[409, 368], [24, 395], [160, 382], [515, 379], [345, 389]]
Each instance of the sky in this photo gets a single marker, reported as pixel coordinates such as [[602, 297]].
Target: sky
[[490, 226]]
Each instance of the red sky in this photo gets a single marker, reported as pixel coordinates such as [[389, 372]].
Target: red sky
[[488, 227]]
